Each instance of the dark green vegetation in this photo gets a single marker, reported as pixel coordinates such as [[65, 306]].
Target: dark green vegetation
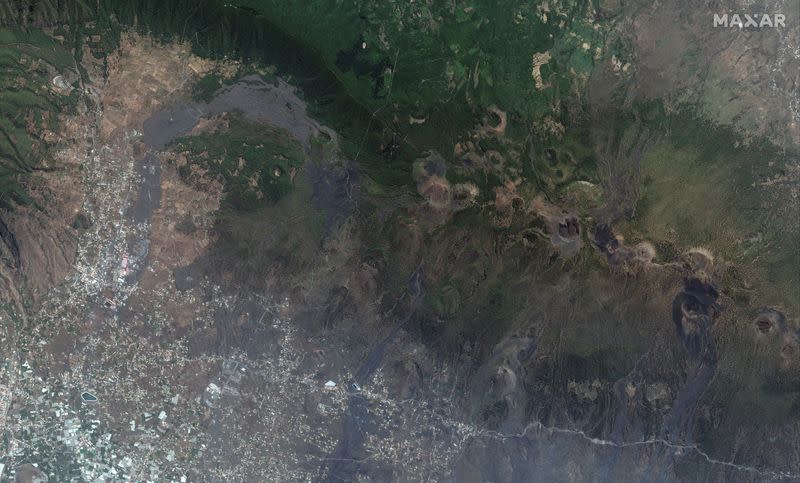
[[366, 70], [367, 67], [205, 88], [28, 105], [255, 163], [29, 60]]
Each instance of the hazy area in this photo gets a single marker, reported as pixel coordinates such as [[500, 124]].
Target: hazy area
[[398, 241]]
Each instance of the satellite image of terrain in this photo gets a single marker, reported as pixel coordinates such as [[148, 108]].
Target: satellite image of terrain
[[399, 240]]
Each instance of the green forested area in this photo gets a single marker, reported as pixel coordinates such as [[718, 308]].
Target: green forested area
[[28, 107], [368, 66]]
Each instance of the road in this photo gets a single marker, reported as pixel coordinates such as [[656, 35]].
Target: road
[[337, 465]]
